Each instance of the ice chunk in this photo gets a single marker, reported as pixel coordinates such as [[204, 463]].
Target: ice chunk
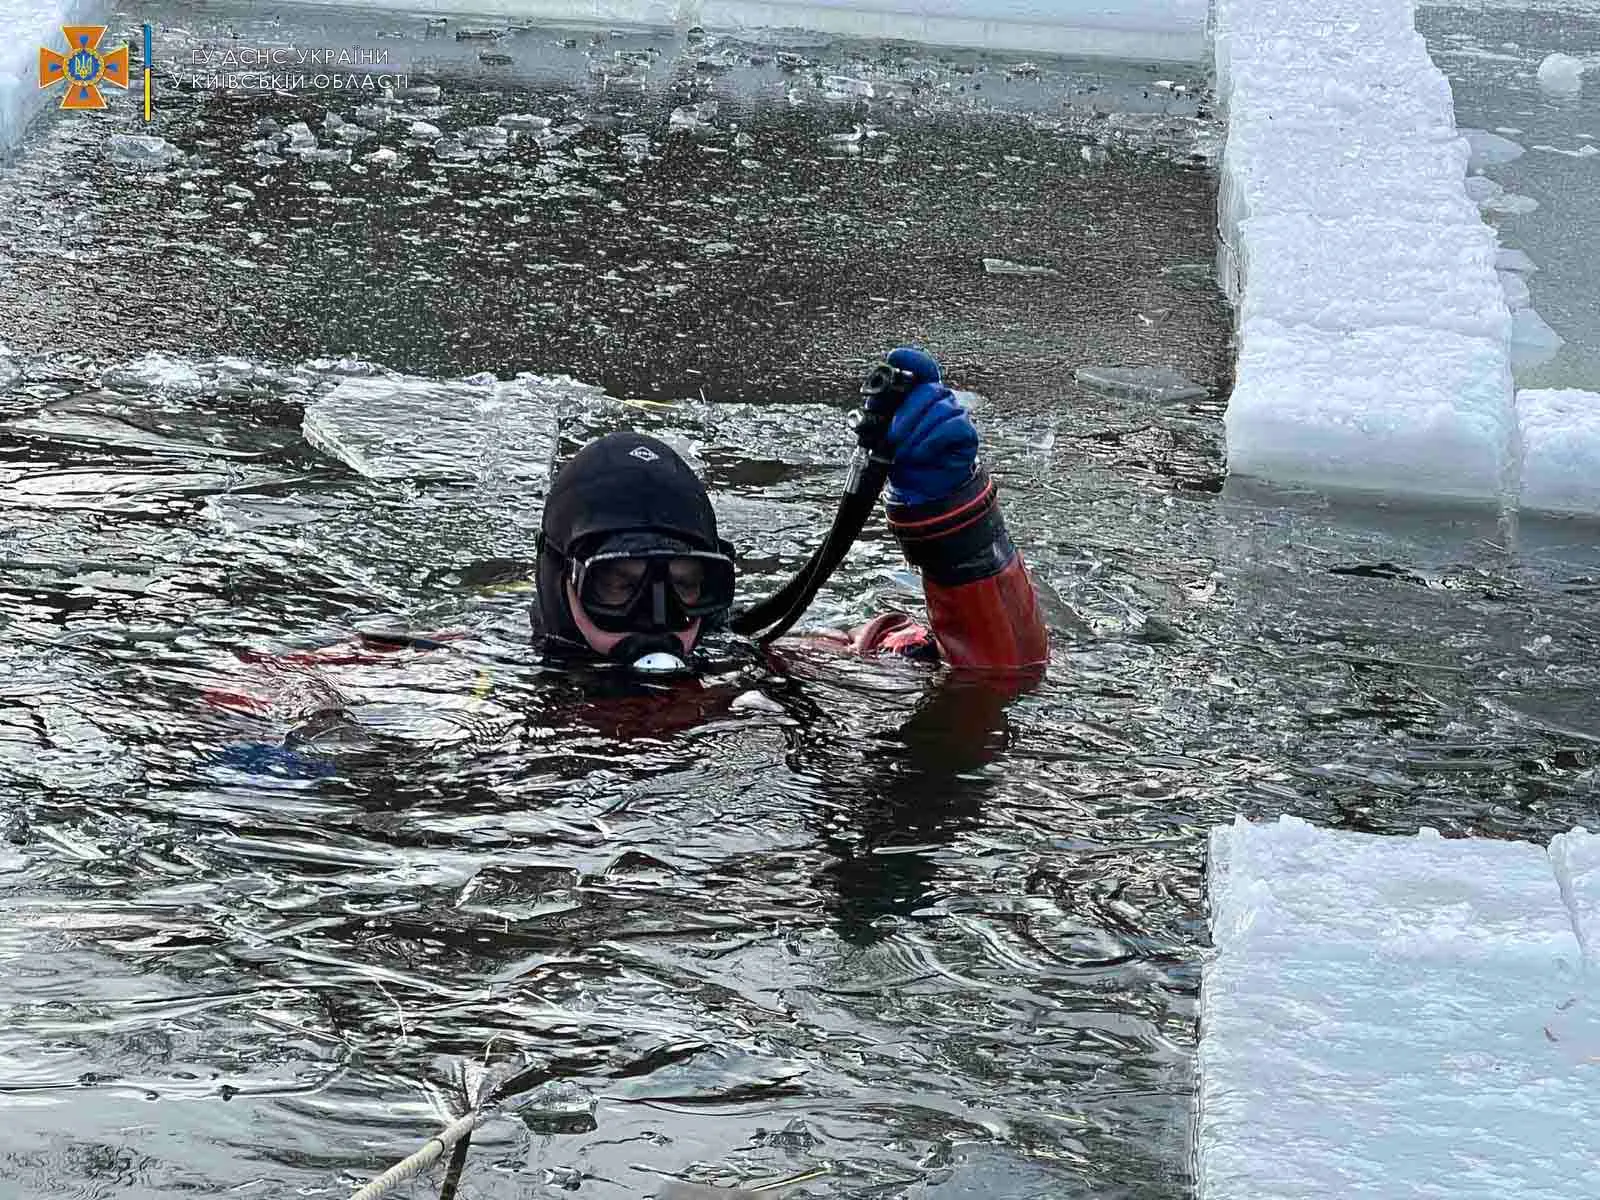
[[299, 137], [1587, 150], [486, 137], [1490, 149], [1361, 273], [1375, 1018], [692, 117], [156, 372], [423, 131], [1481, 189], [1509, 204], [1561, 74], [1532, 340], [403, 427], [1561, 463], [844, 86], [1576, 855], [141, 152], [523, 122], [1515, 260], [1516, 291], [1144, 383], [1410, 410], [1004, 266]]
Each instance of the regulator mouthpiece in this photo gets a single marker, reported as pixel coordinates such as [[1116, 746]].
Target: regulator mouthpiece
[[660, 663]]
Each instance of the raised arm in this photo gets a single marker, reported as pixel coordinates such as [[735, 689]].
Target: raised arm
[[945, 512]]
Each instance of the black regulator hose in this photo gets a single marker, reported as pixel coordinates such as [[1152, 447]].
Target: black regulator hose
[[884, 389]]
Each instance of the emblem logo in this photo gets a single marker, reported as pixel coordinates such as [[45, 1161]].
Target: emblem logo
[[643, 454], [83, 68]]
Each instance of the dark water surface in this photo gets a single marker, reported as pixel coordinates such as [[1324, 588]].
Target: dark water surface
[[862, 915]]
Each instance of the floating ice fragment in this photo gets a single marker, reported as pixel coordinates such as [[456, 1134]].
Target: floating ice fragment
[[341, 155], [235, 192], [1515, 260], [156, 372], [523, 122], [1584, 151], [332, 121], [268, 160], [422, 131], [853, 138], [141, 152], [351, 135], [755, 701], [319, 185], [267, 127], [1144, 383], [299, 137], [452, 149], [1561, 74], [559, 1099], [1092, 155], [1004, 266], [1516, 290], [373, 116], [1489, 149], [1482, 189], [718, 248], [635, 147], [693, 116], [843, 85], [1510, 204], [486, 136], [428, 93], [383, 157], [1532, 340]]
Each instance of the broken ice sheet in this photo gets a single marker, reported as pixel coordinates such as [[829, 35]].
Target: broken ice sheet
[[1004, 266], [1143, 383], [405, 427], [143, 153]]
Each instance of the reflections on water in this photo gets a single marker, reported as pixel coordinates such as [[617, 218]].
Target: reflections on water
[[262, 913]]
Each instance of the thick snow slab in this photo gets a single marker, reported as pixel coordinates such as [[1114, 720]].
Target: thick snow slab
[[1365, 272], [1375, 334], [1391, 408], [1560, 450], [1382, 1017]]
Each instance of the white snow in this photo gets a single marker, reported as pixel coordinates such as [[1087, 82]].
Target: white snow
[[1560, 447], [25, 25], [1387, 1016], [1561, 74]]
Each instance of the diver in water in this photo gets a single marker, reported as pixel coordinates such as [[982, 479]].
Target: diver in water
[[631, 570], [632, 575]]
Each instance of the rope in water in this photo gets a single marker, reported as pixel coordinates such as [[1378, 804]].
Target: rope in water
[[410, 1168]]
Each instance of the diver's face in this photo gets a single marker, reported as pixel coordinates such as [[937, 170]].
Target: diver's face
[[604, 643]]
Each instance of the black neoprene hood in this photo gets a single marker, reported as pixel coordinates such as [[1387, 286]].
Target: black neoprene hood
[[620, 484]]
